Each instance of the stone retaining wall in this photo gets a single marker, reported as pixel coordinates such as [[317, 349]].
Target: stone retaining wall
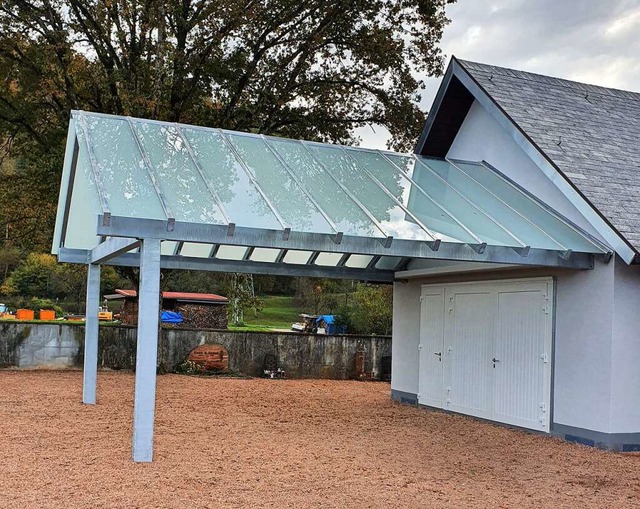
[[28, 345]]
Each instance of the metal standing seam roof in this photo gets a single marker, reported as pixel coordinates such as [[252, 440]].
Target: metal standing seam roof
[[187, 185], [591, 134]]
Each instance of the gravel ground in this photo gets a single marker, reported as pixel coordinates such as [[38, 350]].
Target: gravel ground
[[277, 444]]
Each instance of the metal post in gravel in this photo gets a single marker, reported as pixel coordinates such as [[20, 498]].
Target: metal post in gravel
[[90, 372], [147, 350]]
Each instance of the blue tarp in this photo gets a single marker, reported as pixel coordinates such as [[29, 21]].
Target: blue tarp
[[331, 327], [170, 317]]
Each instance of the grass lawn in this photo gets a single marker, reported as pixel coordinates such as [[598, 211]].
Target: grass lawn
[[277, 313]]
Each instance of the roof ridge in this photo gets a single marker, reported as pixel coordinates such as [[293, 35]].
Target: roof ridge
[[470, 65]]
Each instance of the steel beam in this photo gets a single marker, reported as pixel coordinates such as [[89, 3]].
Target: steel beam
[[147, 350], [112, 247], [248, 267], [248, 237], [90, 371]]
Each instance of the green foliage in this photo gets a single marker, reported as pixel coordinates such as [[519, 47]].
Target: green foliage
[[371, 309], [38, 304], [277, 312], [313, 69], [33, 277]]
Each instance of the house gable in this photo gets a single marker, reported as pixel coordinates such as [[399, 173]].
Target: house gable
[[586, 192]]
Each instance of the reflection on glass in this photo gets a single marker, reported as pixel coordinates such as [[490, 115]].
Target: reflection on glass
[[382, 207], [231, 252], [185, 191], [358, 261], [342, 210], [283, 192], [127, 185], [196, 250], [297, 257], [328, 259], [242, 201], [527, 207]]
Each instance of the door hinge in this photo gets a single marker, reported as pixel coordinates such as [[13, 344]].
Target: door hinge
[[421, 298], [544, 358], [419, 347]]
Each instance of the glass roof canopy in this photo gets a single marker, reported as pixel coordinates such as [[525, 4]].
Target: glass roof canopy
[[223, 200]]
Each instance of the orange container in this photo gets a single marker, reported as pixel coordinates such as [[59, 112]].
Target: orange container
[[24, 314], [47, 314]]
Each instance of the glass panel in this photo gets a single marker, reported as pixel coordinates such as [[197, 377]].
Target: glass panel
[[328, 259], [297, 257], [264, 255], [343, 211], [537, 214], [358, 261], [231, 252], [466, 204], [281, 189], [183, 188], [127, 185], [168, 247], [384, 209], [84, 207], [438, 218], [242, 201], [196, 250], [388, 262]]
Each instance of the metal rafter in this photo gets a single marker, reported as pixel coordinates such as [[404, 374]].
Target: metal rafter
[[93, 163], [555, 241], [387, 241], [211, 190], [304, 190], [229, 144], [171, 219], [416, 219]]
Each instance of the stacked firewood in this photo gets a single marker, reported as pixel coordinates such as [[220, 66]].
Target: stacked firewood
[[202, 316]]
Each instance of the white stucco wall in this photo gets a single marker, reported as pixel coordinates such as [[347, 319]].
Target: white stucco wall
[[405, 337], [584, 323], [625, 355], [482, 138]]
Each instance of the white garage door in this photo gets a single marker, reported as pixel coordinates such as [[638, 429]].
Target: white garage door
[[485, 350]]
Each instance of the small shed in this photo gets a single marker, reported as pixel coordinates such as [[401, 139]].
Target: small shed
[[198, 310]]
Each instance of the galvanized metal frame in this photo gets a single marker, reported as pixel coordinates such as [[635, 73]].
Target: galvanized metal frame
[[93, 163], [248, 237], [229, 144], [211, 190], [110, 248], [152, 176], [388, 238], [435, 240], [67, 180], [91, 329]]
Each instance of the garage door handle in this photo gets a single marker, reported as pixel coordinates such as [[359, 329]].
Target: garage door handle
[[495, 360]]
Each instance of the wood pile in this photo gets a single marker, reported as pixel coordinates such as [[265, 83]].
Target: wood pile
[[202, 316]]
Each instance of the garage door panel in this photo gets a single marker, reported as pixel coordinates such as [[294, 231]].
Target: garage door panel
[[519, 349], [469, 334], [506, 321], [431, 348]]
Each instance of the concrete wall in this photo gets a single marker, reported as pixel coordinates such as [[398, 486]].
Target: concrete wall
[[482, 138], [302, 356]]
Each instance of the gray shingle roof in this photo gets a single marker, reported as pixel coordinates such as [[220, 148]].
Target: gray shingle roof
[[591, 133]]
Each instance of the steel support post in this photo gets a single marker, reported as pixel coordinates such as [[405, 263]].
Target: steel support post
[[147, 350], [90, 374]]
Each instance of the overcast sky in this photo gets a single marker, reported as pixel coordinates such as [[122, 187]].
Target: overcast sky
[[594, 41]]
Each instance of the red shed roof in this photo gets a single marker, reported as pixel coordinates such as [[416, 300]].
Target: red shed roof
[[186, 296]]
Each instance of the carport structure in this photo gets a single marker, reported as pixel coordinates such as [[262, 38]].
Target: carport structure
[[158, 195]]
